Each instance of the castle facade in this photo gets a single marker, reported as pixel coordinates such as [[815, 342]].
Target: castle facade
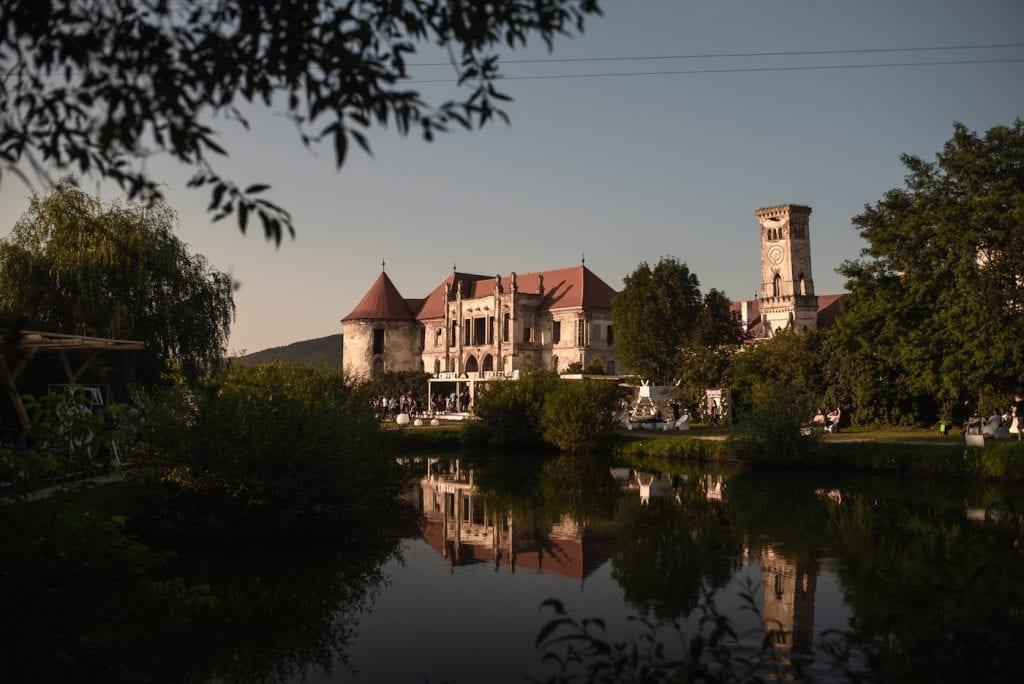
[[479, 327]]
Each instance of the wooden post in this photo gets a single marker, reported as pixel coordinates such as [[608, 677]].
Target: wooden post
[[12, 392]]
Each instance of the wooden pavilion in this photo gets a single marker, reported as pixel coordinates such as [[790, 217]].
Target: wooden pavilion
[[18, 350]]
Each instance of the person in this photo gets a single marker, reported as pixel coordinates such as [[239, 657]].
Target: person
[[833, 420], [819, 418], [1018, 415], [714, 413]]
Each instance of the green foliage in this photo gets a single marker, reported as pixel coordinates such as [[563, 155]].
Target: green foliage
[[78, 592], [579, 416], [102, 89], [81, 596], [933, 316], [791, 359], [771, 429], [266, 453], [510, 412], [660, 312], [676, 447], [73, 265], [67, 439], [395, 383]]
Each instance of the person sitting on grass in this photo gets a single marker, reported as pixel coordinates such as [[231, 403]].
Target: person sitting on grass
[[833, 420]]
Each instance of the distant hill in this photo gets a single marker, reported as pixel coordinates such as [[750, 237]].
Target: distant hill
[[310, 352]]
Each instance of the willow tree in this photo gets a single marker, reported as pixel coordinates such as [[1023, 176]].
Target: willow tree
[[74, 265]]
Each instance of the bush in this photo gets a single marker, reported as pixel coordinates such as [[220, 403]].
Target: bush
[[579, 416], [267, 451], [510, 412], [771, 430]]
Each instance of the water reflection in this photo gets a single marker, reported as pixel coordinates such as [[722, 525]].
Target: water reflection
[[847, 574], [566, 531]]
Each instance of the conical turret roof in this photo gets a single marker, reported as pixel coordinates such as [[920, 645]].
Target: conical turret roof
[[381, 301]]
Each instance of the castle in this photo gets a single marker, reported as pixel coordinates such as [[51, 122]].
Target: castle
[[474, 327], [478, 327]]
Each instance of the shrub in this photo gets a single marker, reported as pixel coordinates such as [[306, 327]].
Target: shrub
[[510, 412], [579, 416], [272, 450], [771, 430]]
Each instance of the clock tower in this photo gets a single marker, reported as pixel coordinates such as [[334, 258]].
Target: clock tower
[[787, 298]]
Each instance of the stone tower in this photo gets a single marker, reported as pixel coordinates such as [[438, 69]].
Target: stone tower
[[381, 334], [787, 298]]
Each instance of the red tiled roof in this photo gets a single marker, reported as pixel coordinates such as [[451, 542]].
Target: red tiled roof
[[829, 309], [564, 288], [381, 301]]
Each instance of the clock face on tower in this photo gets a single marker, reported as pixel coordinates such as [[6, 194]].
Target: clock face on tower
[[801, 254], [775, 255]]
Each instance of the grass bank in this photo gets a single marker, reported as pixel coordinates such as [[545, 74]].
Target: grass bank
[[898, 452]]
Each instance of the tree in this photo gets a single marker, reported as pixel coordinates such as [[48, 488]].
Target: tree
[[73, 265], [935, 301], [99, 85], [660, 312]]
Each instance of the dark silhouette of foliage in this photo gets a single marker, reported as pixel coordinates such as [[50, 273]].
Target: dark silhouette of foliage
[[98, 86]]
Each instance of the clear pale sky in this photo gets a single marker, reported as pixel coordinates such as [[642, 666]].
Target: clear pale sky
[[624, 169]]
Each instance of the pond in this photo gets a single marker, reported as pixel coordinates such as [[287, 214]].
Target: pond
[[909, 580]]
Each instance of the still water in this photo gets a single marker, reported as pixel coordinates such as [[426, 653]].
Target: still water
[[913, 580]]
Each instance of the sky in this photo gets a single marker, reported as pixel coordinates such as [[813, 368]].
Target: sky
[[621, 169]]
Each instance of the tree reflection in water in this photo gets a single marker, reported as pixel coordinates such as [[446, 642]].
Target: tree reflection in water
[[281, 616]]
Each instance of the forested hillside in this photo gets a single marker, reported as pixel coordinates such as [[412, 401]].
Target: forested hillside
[[311, 352]]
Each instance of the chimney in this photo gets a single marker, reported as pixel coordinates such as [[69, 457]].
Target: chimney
[[745, 314]]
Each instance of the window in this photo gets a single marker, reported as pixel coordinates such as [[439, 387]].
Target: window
[[378, 340], [610, 368], [504, 327], [490, 330], [609, 336], [776, 285], [581, 333], [454, 335], [423, 338], [527, 334], [556, 332], [479, 331], [438, 334]]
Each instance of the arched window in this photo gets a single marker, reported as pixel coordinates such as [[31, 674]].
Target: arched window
[[803, 285], [554, 363], [378, 367], [776, 285], [471, 365], [437, 366], [488, 364]]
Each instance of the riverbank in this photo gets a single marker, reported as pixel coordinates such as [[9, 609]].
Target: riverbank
[[870, 450]]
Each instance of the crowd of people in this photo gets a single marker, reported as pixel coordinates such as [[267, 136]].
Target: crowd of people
[[387, 408], [1003, 422]]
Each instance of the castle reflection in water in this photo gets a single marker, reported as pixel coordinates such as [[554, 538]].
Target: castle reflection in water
[[466, 526]]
